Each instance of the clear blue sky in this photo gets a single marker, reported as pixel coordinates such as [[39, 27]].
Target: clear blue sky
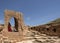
[[35, 12]]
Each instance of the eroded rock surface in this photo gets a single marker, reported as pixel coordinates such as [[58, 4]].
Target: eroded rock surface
[[32, 37]]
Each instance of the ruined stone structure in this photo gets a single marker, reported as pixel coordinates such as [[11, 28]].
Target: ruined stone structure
[[49, 29], [20, 27], [19, 31]]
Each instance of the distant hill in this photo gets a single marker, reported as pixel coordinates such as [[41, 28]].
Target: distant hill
[[55, 21]]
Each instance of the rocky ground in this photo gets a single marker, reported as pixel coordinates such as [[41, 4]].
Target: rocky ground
[[33, 37], [36, 37]]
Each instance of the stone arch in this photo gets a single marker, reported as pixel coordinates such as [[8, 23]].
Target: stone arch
[[22, 29], [17, 17]]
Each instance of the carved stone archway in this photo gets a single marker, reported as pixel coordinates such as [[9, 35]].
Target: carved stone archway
[[19, 24]]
